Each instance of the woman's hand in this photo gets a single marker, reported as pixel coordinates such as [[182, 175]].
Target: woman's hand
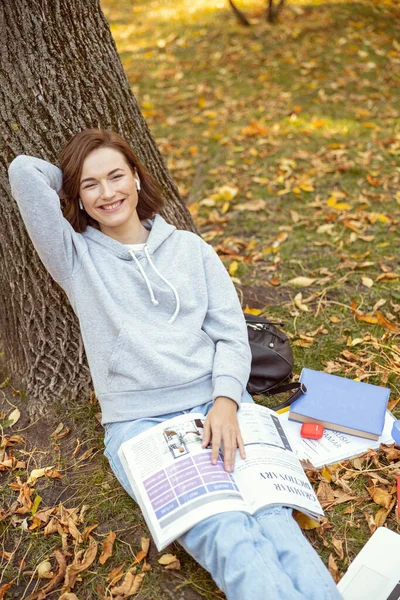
[[221, 426]]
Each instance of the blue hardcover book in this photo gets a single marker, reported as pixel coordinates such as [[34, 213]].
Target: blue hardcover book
[[341, 404]]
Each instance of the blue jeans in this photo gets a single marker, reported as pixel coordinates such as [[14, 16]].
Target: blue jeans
[[260, 557]]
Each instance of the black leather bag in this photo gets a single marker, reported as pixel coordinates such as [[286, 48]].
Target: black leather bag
[[272, 360]]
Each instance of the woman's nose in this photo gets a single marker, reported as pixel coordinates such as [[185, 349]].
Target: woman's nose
[[107, 190]]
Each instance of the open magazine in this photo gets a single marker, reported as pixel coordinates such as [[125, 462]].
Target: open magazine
[[176, 486]]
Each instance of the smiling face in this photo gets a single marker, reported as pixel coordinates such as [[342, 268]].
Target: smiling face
[[109, 194]]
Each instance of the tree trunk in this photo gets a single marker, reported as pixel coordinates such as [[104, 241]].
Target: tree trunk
[[60, 73]]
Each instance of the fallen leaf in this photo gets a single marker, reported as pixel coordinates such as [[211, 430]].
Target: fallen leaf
[[37, 473], [367, 319], [380, 496], [167, 559], [4, 588], [233, 267], [334, 319], [68, 596], [252, 311], [305, 522], [78, 565], [13, 417], [53, 583], [385, 323], [367, 282], [338, 545], [387, 276], [44, 570], [115, 574], [302, 281], [252, 205], [129, 586], [333, 568], [107, 547], [298, 302]]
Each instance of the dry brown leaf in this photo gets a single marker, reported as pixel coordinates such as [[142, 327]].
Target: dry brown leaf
[[146, 567], [88, 530], [252, 205], [380, 496], [333, 568], [4, 588], [387, 276], [381, 517], [78, 565], [53, 583], [338, 546], [107, 547], [129, 586], [175, 565], [145, 543], [166, 559], [68, 596], [115, 574]]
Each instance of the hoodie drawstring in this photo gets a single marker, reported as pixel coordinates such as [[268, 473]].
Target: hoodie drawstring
[[152, 265]]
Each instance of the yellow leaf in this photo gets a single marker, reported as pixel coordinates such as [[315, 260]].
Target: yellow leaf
[[14, 416], [35, 504], [306, 187], [302, 281], [252, 311], [367, 282], [305, 522], [334, 319], [326, 473], [233, 267], [44, 570], [367, 319], [298, 302], [37, 473]]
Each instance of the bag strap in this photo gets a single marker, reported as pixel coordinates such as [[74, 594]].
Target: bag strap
[[300, 390]]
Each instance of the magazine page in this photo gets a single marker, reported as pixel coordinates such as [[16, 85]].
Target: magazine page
[[271, 474], [334, 446], [173, 479]]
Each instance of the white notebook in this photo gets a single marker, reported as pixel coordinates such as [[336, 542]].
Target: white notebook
[[375, 572]]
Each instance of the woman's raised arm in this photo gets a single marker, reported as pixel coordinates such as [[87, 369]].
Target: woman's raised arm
[[35, 184]]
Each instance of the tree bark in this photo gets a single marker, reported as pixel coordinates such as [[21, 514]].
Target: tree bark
[[59, 73]]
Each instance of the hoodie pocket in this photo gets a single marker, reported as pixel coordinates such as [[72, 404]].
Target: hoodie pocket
[[144, 359]]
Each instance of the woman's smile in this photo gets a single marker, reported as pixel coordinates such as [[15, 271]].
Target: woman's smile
[[112, 207]]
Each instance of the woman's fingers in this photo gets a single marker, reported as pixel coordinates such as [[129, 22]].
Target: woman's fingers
[[206, 433]]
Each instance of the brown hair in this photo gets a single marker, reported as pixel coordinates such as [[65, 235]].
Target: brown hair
[[71, 163]]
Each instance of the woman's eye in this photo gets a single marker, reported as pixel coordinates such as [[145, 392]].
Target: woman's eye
[[117, 176], [89, 186]]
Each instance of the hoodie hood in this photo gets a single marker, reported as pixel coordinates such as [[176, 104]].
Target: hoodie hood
[[160, 231]]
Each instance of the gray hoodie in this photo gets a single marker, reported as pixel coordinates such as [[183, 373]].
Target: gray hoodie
[[163, 328]]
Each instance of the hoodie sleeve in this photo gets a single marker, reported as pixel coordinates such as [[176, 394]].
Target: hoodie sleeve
[[226, 326], [34, 185]]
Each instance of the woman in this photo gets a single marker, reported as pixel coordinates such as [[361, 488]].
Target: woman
[[164, 334]]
